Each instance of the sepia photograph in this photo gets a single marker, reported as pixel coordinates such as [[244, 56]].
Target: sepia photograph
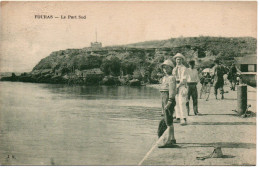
[[128, 83]]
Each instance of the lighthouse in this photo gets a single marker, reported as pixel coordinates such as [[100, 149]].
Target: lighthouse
[[96, 44]]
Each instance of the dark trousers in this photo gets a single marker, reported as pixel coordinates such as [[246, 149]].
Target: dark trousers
[[233, 82], [218, 84], [233, 85], [193, 93], [220, 87]]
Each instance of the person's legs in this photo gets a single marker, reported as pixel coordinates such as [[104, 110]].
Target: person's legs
[[177, 107], [188, 99], [221, 92], [216, 91], [208, 91], [171, 141], [182, 106], [220, 86], [234, 84], [171, 137], [170, 125], [202, 89], [182, 115], [170, 132], [195, 99], [169, 122], [231, 84]]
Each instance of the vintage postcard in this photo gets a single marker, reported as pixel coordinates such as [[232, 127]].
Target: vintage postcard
[[128, 83]]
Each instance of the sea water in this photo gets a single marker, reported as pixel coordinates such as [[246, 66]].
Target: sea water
[[47, 124]]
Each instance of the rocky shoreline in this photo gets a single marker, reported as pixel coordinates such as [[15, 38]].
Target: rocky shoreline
[[76, 80]]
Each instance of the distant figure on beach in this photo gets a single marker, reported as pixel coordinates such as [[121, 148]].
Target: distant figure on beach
[[168, 92], [218, 73], [181, 97], [205, 82], [232, 77], [192, 81]]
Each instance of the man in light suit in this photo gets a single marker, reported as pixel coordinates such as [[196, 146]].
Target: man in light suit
[[180, 72]]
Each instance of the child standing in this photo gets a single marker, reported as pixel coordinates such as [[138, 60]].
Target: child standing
[[168, 92]]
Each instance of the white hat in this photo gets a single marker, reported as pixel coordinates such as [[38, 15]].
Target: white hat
[[168, 63], [179, 55]]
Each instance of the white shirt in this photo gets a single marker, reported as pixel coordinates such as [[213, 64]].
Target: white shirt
[[192, 75], [180, 73]]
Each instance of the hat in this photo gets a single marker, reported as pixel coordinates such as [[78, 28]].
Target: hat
[[168, 63], [179, 55]]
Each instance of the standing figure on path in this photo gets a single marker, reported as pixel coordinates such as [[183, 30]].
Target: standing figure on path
[[232, 77], [168, 92], [192, 81], [181, 97], [205, 82], [218, 73]]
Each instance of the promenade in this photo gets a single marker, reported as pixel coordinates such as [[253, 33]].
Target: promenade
[[216, 125]]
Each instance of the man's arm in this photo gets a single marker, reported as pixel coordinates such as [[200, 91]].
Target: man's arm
[[184, 75]]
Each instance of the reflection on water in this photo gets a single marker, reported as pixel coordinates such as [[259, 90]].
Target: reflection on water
[[45, 124], [104, 92]]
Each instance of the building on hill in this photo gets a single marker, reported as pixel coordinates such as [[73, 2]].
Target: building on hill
[[248, 67], [247, 63], [96, 45]]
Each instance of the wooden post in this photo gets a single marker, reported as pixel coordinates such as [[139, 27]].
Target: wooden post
[[241, 99]]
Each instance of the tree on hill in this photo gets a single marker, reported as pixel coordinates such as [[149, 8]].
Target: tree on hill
[[111, 66]]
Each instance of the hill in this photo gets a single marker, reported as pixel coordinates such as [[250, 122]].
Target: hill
[[135, 61], [223, 47]]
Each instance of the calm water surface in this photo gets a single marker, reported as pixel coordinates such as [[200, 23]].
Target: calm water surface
[[43, 124]]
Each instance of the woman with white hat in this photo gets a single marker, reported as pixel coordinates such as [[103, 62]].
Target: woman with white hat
[[168, 92], [181, 97]]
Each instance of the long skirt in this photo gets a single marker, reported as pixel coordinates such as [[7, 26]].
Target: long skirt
[[181, 100]]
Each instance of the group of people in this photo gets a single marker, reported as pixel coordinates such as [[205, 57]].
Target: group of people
[[217, 78], [177, 87]]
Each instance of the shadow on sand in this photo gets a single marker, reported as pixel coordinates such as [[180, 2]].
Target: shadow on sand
[[228, 156], [229, 99], [222, 123], [201, 114], [219, 144]]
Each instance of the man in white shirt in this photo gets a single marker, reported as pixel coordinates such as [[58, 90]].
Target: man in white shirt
[[181, 97], [192, 81]]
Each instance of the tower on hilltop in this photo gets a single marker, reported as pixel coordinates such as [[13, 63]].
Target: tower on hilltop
[[96, 44]]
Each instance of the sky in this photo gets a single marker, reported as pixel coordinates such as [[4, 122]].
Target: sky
[[25, 40]]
